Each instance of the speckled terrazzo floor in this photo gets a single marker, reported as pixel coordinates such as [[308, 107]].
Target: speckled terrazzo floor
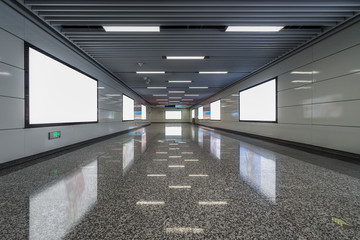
[[181, 182]]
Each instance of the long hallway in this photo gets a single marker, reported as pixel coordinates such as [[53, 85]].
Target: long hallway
[[180, 181]]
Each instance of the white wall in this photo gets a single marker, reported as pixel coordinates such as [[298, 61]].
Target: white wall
[[324, 112], [16, 141], [158, 115]]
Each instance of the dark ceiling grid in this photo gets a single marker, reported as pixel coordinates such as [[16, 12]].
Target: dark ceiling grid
[[189, 28]]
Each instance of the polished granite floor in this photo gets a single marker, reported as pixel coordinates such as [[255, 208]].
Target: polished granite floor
[[181, 182]]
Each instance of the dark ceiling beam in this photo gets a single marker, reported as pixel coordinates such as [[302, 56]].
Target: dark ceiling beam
[[181, 9], [152, 3], [255, 22], [49, 15], [210, 18]]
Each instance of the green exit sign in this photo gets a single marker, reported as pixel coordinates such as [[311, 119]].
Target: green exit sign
[[54, 135]]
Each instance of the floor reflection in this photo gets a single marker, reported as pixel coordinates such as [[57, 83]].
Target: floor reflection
[[128, 155], [173, 131], [165, 182], [215, 145], [56, 208], [259, 172]]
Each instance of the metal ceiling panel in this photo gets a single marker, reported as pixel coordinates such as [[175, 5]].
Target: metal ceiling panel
[[189, 28]]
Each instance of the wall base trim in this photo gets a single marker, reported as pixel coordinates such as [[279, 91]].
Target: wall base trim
[[327, 152], [63, 150]]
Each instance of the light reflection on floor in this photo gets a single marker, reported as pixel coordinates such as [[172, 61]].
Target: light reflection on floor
[[178, 181]]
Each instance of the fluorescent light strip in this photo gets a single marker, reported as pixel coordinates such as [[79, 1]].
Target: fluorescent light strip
[[113, 95], [179, 81], [5, 73], [187, 153], [161, 152], [176, 166], [131, 28], [174, 101], [254, 28], [198, 175], [213, 72], [305, 73], [174, 148], [160, 95], [185, 57], [150, 203], [156, 87], [156, 72], [198, 87], [161, 100], [160, 160], [191, 95], [156, 175], [191, 160], [184, 230], [213, 203], [174, 156], [173, 144], [301, 81], [184, 100], [175, 97], [179, 187], [176, 91]]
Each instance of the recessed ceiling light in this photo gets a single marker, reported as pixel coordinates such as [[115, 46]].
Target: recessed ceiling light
[[185, 57], [113, 95], [5, 73], [301, 81], [131, 28], [156, 87], [213, 72], [175, 97], [198, 87], [179, 81], [191, 95], [156, 72], [306, 73], [159, 95], [254, 28], [176, 91]]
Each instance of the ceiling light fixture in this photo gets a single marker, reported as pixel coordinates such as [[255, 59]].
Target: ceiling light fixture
[[179, 81], [254, 28], [156, 72], [175, 97], [213, 72], [198, 87], [185, 57], [301, 81], [176, 91], [190, 100], [160, 95], [191, 95], [305, 73], [131, 28], [156, 87]]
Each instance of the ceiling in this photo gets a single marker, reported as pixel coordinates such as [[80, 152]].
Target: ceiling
[[189, 28]]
